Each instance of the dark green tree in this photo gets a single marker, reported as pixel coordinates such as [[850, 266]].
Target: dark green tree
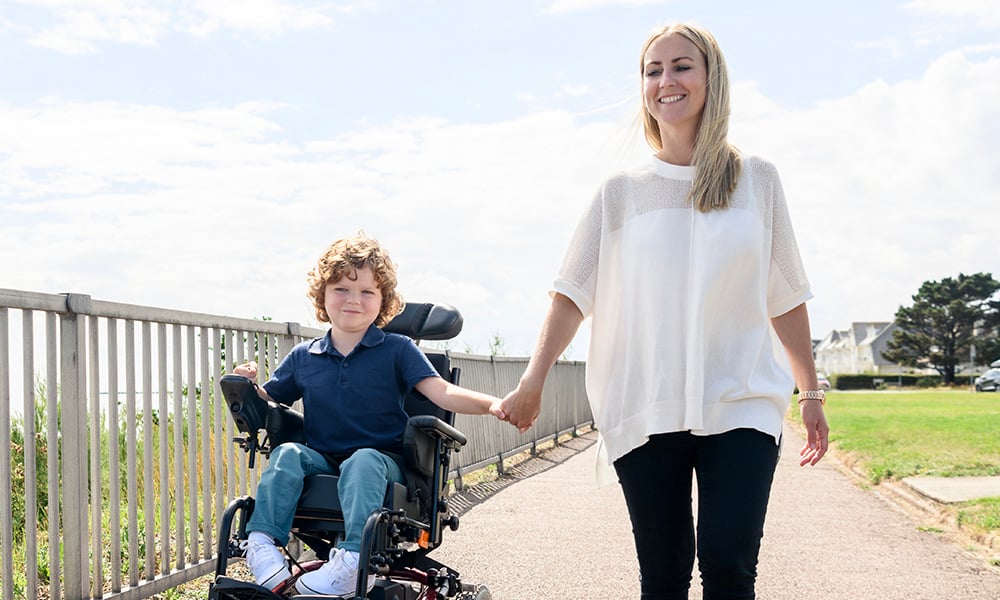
[[946, 319]]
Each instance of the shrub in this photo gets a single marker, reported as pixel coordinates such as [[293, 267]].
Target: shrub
[[929, 381]]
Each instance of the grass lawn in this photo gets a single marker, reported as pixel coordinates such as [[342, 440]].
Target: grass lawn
[[942, 433], [899, 434]]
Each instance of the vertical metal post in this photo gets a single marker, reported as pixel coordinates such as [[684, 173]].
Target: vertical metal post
[[95, 536], [7, 534], [52, 435], [30, 454], [114, 459], [74, 448]]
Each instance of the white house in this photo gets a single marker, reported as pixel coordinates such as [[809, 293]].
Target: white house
[[857, 349]]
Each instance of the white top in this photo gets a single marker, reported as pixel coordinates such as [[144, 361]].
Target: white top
[[680, 303]]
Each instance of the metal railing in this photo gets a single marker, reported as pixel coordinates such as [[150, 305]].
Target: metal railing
[[117, 451]]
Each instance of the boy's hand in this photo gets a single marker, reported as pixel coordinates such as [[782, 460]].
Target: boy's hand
[[248, 370], [522, 408], [497, 411]]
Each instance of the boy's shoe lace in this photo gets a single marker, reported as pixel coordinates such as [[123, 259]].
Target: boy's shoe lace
[[266, 561], [338, 577]]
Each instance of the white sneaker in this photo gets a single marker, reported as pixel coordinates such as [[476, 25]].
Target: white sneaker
[[338, 577], [266, 560]]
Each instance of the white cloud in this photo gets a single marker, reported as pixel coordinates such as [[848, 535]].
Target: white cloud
[[220, 211], [82, 26], [568, 6], [263, 17], [575, 90], [163, 207], [891, 186], [986, 13]]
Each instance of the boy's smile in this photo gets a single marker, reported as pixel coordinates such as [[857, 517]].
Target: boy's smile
[[352, 304]]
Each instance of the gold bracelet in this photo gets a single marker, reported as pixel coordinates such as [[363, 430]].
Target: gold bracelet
[[813, 395]]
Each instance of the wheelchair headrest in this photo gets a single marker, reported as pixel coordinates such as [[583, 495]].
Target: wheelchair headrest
[[426, 321]]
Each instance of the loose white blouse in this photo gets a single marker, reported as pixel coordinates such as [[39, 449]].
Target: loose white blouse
[[680, 303]]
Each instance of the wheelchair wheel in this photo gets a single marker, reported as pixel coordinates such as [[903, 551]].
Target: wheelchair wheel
[[481, 593]]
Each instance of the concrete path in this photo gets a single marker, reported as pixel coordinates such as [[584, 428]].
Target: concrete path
[[556, 535]]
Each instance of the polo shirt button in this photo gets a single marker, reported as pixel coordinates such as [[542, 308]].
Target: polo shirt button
[[346, 365]]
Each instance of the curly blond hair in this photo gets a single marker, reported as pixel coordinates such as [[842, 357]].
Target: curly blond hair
[[343, 259]]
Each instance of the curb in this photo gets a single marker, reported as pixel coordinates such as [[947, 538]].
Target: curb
[[909, 500]]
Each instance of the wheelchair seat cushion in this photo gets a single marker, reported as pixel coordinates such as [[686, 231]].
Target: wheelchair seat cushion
[[319, 495], [319, 498]]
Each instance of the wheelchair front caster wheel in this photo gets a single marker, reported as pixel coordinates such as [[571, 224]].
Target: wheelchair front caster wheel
[[480, 593], [452, 522]]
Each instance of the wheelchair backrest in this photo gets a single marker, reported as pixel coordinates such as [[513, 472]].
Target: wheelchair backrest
[[417, 404], [427, 321]]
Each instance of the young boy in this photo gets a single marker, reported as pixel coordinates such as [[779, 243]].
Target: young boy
[[352, 382]]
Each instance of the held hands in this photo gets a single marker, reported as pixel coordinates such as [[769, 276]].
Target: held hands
[[496, 409], [522, 408], [817, 432]]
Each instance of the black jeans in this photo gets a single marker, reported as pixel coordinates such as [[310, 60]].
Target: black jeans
[[734, 473]]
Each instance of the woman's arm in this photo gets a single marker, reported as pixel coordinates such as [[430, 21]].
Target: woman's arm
[[523, 405], [793, 331]]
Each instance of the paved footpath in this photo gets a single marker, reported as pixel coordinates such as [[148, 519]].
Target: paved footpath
[[555, 534]]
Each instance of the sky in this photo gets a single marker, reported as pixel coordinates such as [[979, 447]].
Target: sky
[[201, 154]]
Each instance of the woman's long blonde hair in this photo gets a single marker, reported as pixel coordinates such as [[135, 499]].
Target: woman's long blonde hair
[[717, 162]]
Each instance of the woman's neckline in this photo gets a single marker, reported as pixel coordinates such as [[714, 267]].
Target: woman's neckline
[[672, 171]]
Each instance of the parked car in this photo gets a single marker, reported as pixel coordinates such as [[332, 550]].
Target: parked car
[[824, 382], [990, 380]]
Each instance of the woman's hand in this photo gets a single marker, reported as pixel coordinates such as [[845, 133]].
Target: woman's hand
[[817, 432], [522, 408]]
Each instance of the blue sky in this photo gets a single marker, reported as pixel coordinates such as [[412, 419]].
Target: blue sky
[[200, 154]]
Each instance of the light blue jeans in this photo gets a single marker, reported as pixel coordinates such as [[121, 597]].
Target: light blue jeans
[[361, 488]]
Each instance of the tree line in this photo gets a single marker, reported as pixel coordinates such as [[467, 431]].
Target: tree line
[[951, 322]]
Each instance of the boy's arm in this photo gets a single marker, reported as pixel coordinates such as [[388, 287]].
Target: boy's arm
[[458, 399]]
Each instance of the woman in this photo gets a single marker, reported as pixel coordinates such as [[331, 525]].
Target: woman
[[684, 267]]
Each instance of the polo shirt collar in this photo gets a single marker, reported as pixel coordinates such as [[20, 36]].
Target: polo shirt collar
[[373, 337]]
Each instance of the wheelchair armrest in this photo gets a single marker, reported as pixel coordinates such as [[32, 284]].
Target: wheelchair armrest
[[249, 410], [252, 413], [435, 427]]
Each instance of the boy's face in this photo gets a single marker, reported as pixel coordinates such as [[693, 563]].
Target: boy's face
[[353, 305]]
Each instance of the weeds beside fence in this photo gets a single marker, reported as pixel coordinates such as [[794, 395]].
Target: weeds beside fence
[[119, 457]]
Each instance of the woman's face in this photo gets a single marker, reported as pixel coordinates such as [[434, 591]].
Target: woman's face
[[674, 83]]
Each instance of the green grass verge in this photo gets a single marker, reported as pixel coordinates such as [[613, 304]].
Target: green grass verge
[[940, 433], [890, 435]]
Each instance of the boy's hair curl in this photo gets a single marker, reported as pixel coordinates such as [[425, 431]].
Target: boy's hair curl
[[342, 259]]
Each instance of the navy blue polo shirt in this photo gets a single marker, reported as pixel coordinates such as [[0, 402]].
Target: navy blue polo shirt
[[354, 401]]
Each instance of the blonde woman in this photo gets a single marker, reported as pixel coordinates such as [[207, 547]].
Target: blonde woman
[[684, 267]]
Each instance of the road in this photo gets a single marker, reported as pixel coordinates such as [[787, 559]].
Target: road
[[555, 534]]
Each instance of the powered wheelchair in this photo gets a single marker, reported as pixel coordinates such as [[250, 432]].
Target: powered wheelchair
[[397, 538]]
